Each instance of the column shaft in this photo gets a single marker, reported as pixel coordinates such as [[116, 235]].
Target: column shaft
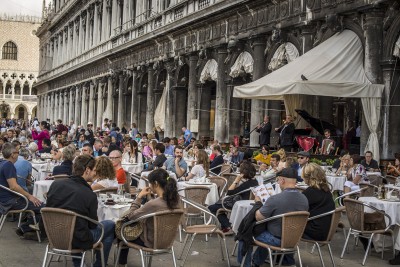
[[77, 107], [150, 101], [84, 106], [220, 130], [100, 108], [121, 102], [91, 102], [135, 106]]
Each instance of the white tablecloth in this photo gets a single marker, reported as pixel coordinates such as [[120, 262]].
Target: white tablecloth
[[337, 182], [391, 209], [132, 168], [212, 196], [45, 170], [239, 211], [373, 173], [41, 187], [111, 212]]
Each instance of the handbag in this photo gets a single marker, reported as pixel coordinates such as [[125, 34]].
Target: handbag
[[131, 232], [229, 201], [374, 221]]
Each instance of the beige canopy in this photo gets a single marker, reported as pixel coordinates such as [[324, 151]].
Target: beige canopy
[[333, 68]]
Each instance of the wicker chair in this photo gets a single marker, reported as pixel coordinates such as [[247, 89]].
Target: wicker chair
[[59, 225], [375, 179], [336, 214], [368, 190], [390, 179], [220, 182], [225, 168], [24, 210], [293, 225], [230, 177], [205, 229], [165, 225], [355, 214]]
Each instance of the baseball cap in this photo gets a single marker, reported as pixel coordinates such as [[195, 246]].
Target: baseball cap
[[288, 173], [304, 154]]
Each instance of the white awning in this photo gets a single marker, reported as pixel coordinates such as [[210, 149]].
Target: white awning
[[333, 68]]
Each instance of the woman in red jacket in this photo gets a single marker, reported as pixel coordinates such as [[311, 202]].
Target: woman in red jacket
[[44, 133]]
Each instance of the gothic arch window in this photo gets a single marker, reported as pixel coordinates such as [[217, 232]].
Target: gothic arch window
[[9, 51]]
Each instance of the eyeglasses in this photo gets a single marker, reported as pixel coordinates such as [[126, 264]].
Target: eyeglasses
[[113, 158], [300, 157]]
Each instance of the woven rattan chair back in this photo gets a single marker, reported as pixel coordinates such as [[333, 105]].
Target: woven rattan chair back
[[375, 179], [220, 182], [391, 179], [293, 225], [355, 213], [230, 178], [369, 190], [226, 168], [165, 228], [196, 194], [59, 176], [334, 223], [59, 225]]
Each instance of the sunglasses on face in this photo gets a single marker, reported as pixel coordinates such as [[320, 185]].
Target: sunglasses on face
[[300, 157]]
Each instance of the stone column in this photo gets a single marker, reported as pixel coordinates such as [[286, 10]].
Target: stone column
[[65, 102], [235, 117], [48, 113], [105, 22], [114, 16], [220, 130], [150, 101], [169, 111], [135, 106], [110, 106], [60, 105], [192, 90], [373, 33], [77, 107], [121, 102], [87, 32], [84, 105], [71, 106], [81, 34], [55, 109], [91, 102], [95, 25], [100, 108], [257, 106], [12, 91]]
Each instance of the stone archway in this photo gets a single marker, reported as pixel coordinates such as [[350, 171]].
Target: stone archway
[[21, 112]]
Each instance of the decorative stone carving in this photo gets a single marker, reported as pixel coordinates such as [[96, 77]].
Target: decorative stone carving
[[310, 4], [285, 53], [390, 15]]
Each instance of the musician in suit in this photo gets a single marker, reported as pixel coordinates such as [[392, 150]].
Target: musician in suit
[[328, 144], [265, 131], [286, 132]]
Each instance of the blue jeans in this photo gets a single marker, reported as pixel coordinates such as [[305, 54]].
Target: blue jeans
[[108, 238], [19, 203], [261, 254]]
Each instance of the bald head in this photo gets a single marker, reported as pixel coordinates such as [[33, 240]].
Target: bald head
[[116, 157]]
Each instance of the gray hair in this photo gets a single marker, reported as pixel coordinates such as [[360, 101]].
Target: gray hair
[[7, 150], [68, 153], [24, 152]]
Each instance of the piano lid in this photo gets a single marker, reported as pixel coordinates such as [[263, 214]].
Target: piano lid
[[317, 124]]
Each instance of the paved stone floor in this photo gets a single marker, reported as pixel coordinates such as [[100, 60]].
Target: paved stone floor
[[18, 252]]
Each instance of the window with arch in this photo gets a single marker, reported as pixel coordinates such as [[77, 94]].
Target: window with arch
[[9, 51]]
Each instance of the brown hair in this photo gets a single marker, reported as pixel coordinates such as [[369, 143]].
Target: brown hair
[[202, 158], [104, 168]]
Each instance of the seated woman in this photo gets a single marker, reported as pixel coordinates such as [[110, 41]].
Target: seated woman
[[344, 165], [201, 168], [264, 157], [356, 174], [105, 174], [68, 155], [168, 199], [394, 170], [131, 153], [320, 200], [218, 160], [242, 182], [146, 151], [282, 162]]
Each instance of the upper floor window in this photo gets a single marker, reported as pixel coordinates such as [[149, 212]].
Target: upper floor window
[[9, 51]]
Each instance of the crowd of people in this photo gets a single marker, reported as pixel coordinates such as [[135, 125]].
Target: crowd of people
[[93, 160]]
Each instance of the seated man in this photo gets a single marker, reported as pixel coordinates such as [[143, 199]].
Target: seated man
[[176, 164], [97, 146], [24, 168], [328, 144], [116, 158], [169, 148], [71, 194], [87, 149], [160, 157], [288, 201], [46, 144], [68, 155], [303, 157], [369, 163], [273, 168], [10, 201]]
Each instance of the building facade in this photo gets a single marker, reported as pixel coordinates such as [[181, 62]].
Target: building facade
[[19, 66], [120, 59]]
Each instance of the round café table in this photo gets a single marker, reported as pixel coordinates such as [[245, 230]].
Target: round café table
[[337, 182], [41, 187], [132, 168], [239, 211]]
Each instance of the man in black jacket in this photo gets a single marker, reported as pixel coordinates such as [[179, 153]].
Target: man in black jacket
[[286, 132], [75, 194], [265, 131], [160, 157]]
